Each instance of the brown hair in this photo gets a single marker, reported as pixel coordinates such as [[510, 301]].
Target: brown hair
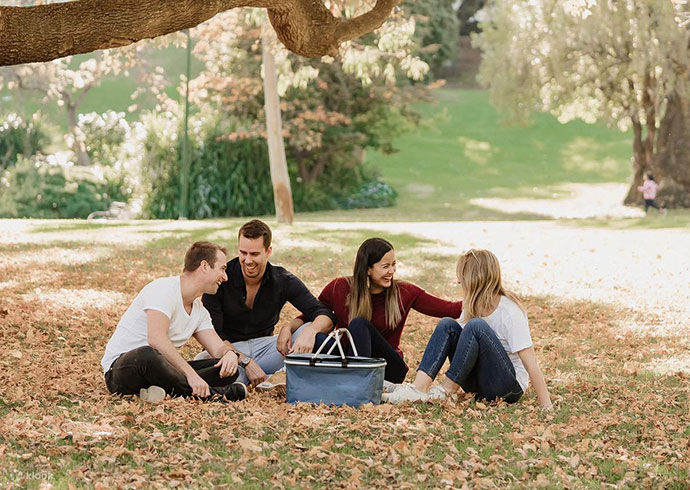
[[200, 251], [479, 274], [359, 299], [256, 229]]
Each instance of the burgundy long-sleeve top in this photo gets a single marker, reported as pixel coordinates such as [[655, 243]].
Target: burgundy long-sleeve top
[[334, 296]]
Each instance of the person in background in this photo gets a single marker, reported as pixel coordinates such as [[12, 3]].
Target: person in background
[[649, 189]]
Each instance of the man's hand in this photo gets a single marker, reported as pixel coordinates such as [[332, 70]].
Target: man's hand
[[254, 372], [304, 343], [199, 387], [227, 364], [284, 342]]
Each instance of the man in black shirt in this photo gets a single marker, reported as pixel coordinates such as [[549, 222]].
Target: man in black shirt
[[247, 306]]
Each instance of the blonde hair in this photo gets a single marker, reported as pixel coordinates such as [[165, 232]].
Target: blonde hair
[[359, 299], [479, 274]]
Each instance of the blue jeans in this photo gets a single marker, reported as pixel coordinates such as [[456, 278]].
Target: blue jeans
[[478, 361], [263, 350]]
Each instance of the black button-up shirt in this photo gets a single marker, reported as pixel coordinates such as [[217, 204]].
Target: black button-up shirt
[[235, 321]]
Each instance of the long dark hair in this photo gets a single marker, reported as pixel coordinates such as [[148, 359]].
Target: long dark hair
[[359, 300]]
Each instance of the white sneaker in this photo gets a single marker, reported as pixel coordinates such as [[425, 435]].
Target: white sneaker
[[389, 387], [152, 394], [405, 393], [276, 381], [438, 392]]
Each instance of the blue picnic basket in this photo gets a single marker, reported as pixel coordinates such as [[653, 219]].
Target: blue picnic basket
[[334, 379]]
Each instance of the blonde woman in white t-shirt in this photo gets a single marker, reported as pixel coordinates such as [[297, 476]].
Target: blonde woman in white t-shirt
[[490, 348]]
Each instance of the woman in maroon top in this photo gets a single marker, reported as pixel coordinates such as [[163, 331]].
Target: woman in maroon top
[[374, 306]]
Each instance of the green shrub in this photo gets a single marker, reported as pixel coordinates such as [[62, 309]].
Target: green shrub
[[40, 187], [227, 178], [370, 195], [19, 137], [232, 177]]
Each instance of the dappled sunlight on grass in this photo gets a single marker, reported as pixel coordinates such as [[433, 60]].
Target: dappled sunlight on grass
[[670, 366], [52, 255], [480, 152], [569, 201], [75, 299], [587, 155], [471, 154]]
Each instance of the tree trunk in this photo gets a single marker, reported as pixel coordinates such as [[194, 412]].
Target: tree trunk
[[282, 194], [670, 159], [672, 169], [640, 166]]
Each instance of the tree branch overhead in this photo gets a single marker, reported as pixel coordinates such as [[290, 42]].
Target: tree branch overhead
[[47, 32]]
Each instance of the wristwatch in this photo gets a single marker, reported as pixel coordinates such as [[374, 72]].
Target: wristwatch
[[244, 361]]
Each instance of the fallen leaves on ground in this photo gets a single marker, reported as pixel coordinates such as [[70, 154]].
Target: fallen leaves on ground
[[615, 422]]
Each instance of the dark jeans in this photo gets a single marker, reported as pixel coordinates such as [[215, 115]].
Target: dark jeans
[[478, 361], [650, 203], [370, 343], [145, 366]]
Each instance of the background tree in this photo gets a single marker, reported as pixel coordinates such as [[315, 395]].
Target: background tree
[[332, 109], [624, 62], [436, 31], [67, 82], [466, 15]]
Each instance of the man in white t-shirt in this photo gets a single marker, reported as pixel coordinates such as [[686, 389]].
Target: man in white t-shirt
[[142, 357]]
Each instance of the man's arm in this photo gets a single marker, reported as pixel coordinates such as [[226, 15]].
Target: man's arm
[[157, 332], [305, 342], [322, 317], [226, 354], [284, 342], [529, 360], [300, 297]]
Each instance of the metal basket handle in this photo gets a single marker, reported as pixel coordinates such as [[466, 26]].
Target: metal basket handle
[[335, 335]]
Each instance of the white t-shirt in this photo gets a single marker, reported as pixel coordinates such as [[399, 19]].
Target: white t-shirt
[[510, 325], [162, 295]]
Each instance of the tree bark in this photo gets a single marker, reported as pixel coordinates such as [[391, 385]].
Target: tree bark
[[672, 162], [51, 31], [282, 193], [640, 165], [667, 157]]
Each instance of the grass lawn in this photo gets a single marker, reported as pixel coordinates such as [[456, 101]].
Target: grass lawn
[[64, 286], [469, 153]]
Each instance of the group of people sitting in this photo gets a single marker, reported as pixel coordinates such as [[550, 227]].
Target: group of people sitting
[[232, 307]]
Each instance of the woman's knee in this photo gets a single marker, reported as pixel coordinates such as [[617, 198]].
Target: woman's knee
[[359, 324], [448, 325], [477, 325]]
